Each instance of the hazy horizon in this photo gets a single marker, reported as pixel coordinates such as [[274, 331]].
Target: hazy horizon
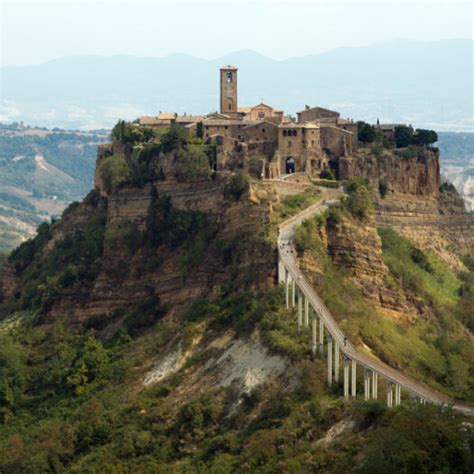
[[279, 29]]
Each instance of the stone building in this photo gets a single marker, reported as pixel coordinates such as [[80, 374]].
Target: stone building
[[244, 134]]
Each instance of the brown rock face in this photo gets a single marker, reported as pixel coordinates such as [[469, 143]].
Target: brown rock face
[[235, 246], [418, 176], [358, 247], [413, 204]]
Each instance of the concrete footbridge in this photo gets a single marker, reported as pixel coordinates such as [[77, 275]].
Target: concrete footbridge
[[328, 339]]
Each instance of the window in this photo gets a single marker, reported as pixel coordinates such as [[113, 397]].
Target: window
[[229, 77], [263, 130], [312, 142], [226, 127], [230, 106], [294, 133], [284, 133]]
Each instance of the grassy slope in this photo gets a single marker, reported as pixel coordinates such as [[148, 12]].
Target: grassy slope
[[440, 351]]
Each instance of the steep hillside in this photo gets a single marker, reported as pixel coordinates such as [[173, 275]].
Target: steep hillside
[[144, 330]]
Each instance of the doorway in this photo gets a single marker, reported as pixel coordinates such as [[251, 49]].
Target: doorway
[[290, 165]]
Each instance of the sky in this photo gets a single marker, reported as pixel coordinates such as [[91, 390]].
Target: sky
[[35, 31]]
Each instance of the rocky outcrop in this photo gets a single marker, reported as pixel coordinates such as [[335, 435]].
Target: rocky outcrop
[[417, 176], [356, 246], [411, 202]]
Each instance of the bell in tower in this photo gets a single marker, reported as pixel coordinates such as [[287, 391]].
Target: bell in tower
[[228, 90]]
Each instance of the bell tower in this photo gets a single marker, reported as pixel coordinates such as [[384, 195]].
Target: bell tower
[[228, 90]]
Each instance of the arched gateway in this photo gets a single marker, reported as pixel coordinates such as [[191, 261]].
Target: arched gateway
[[290, 165]]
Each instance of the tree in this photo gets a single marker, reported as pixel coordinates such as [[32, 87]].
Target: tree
[[403, 136], [366, 132], [359, 202], [173, 139], [424, 137]]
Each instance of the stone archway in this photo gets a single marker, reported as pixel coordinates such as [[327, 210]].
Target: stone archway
[[290, 165]]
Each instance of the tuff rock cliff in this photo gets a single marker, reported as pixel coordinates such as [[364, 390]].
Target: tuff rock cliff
[[409, 198]]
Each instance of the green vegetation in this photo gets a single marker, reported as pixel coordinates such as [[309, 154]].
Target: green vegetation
[[436, 350], [359, 201], [113, 171], [193, 160], [410, 152], [366, 133], [238, 183], [292, 204], [192, 164], [327, 174], [74, 260], [326, 183], [403, 136], [131, 133], [73, 403], [424, 137]]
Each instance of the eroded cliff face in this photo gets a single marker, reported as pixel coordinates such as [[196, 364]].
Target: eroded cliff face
[[356, 246], [412, 203]]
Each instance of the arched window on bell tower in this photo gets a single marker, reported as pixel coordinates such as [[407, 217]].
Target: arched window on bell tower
[[228, 92]]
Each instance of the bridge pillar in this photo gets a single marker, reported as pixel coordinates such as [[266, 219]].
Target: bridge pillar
[[293, 292], [389, 394], [366, 384], [346, 377], [314, 333], [306, 312], [287, 289], [329, 359], [336, 362], [374, 385], [300, 309], [398, 394], [354, 379], [321, 335]]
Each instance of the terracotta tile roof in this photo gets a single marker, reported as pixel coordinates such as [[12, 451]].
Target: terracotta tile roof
[[167, 115], [149, 120], [189, 118]]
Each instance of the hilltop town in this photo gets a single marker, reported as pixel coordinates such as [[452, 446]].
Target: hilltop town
[[282, 143]]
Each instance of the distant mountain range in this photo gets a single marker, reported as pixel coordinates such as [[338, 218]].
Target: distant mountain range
[[427, 84]]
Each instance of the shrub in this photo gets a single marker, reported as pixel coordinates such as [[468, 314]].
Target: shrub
[[131, 133], [409, 152], [383, 188], [359, 203], [327, 173], [174, 138], [424, 137], [447, 187], [113, 170], [192, 164], [236, 186]]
